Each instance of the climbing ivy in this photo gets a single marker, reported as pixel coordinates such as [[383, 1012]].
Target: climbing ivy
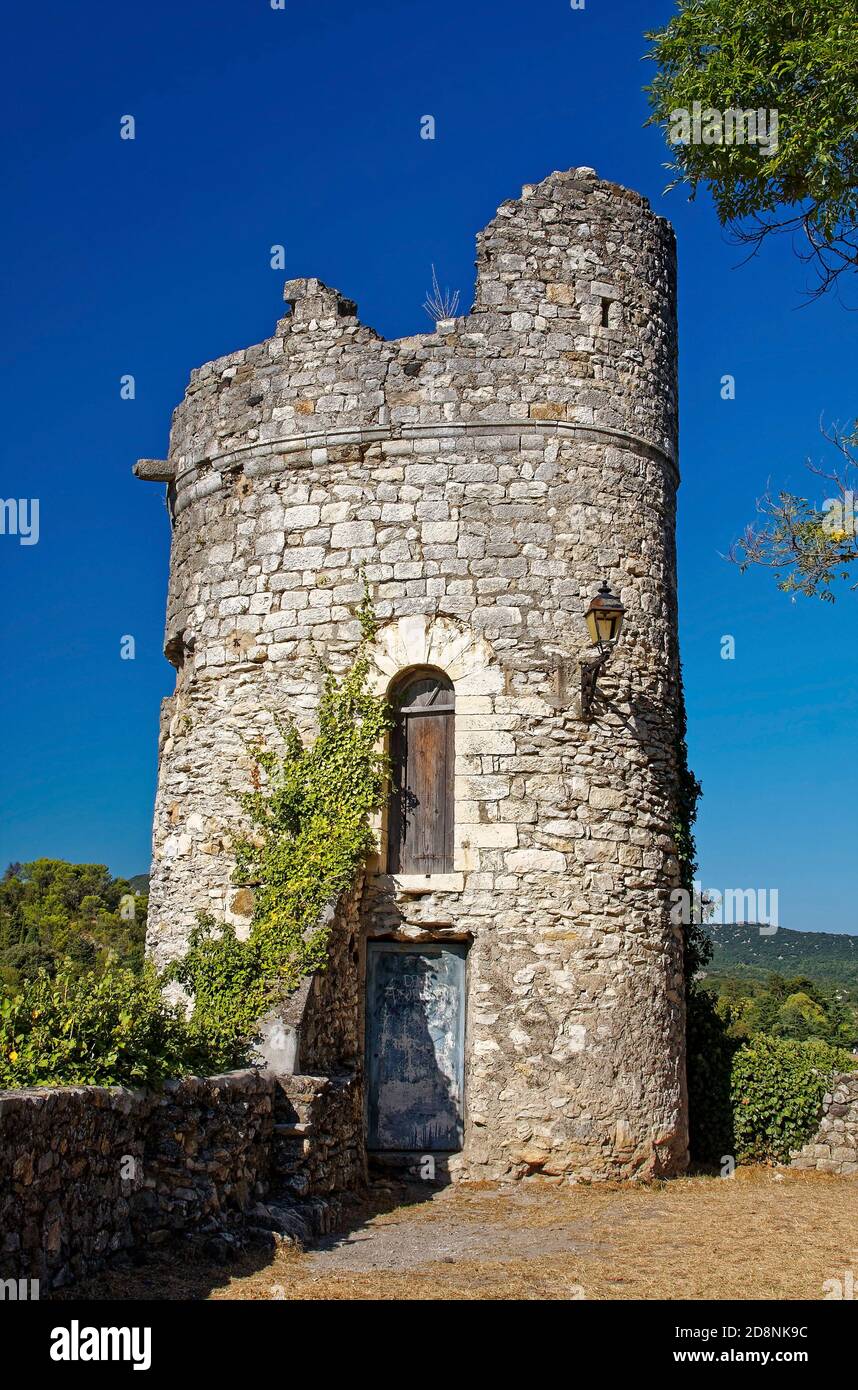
[[309, 815], [709, 1052], [697, 948]]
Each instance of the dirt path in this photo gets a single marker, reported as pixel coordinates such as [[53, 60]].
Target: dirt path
[[762, 1234], [452, 1226]]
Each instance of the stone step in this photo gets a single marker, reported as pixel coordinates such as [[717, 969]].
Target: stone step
[[293, 1131]]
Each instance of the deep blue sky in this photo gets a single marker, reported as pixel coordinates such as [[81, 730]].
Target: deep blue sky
[[301, 126]]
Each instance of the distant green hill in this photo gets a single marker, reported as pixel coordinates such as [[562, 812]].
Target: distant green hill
[[743, 952], [139, 883]]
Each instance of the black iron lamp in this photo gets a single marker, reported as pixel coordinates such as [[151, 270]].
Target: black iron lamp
[[604, 619]]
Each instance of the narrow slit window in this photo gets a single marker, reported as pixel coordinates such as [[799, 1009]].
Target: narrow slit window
[[606, 312]]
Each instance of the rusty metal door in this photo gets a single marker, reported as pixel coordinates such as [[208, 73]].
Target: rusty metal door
[[415, 1030]]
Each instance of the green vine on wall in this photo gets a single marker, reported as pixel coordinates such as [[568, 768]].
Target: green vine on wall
[[309, 812], [697, 947]]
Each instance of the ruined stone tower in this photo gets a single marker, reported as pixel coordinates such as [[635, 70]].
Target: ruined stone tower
[[486, 477]]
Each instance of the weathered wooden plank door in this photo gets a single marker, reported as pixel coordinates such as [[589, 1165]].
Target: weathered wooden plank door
[[415, 1046], [423, 760]]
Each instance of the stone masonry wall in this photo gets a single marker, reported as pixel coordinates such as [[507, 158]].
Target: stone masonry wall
[[64, 1206], [834, 1147], [206, 1153], [484, 478], [86, 1172], [318, 1140]]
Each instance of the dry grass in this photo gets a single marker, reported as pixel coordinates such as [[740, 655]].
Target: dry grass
[[759, 1235]]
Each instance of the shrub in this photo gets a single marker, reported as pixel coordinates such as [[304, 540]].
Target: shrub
[[111, 1027], [224, 978], [710, 1053], [309, 815], [777, 1089], [758, 1099]]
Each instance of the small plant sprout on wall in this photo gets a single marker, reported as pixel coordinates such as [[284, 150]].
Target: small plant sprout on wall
[[440, 304]]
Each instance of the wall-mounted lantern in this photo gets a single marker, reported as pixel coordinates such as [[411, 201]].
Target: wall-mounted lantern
[[604, 619]]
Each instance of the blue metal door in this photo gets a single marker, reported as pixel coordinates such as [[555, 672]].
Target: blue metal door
[[415, 1028]]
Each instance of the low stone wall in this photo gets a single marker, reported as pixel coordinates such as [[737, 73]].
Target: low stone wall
[[64, 1203], [318, 1135], [834, 1147], [86, 1172], [207, 1154]]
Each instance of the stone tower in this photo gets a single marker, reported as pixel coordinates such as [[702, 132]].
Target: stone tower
[[486, 477]]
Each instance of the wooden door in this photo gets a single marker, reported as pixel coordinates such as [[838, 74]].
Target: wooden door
[[415, 1026], [423, 760]]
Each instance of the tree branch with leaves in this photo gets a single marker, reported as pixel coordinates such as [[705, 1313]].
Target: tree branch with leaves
[[808, 547], [769, 56]]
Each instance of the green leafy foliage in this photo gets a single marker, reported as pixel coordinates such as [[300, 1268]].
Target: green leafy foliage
[[808, 548], [708, 1049], [311, 823], [709, 1060], [224, 979], [829, 958], [309, 813], [697, 947], [77, 915], [736, 1104], [798, 61], [797, 1008], [769, 55], [90, 1029], [777, 1087], [758, 1098]]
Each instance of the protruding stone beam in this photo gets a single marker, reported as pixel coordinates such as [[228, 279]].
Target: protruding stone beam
[[154, 470]]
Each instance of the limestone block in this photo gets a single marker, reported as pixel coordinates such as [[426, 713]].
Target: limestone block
[[524, 861], [346, 534], [488, 835]]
